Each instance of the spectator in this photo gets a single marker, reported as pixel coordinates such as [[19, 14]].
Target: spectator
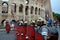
[[56, 23], [49, 22]]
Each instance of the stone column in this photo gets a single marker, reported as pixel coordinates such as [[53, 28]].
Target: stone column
[[44, 13], [24, 13], [34, 13], [9, 11], [29, 14], [17, 12], [37, 13]]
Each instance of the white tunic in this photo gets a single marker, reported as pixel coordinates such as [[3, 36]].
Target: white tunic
[[4, 23]]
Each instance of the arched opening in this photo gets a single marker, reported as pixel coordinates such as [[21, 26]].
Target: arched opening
[[21, 8], [46, 14], [26, 10], [36, 10], [39, 11], [4, 7], [32, 8], [2, 21], [13, 8]]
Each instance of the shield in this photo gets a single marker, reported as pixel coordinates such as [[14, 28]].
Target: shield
[[38, 36], [26, 33]]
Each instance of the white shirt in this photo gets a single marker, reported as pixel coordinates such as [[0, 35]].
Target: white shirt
[[4, 23]]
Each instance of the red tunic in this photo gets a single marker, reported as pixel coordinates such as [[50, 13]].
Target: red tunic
[[7, 27], [23, 32], [38, 36]]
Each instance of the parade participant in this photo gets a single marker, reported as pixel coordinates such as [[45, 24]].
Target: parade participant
[[33, 23], [27, 32], [38, 36], [21, 23], [25, 23], [7, 27], [39, 23]]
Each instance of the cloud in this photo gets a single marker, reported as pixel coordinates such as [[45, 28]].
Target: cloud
[[55, 6], [4, 0]]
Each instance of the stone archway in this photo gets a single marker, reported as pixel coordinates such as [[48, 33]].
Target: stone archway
[[21, 8], [26, 13], [31, 12], [39, 12], [2, 21], [36, 10], [4, 7]]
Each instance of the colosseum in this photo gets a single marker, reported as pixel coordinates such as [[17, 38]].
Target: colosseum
[[26, 10]]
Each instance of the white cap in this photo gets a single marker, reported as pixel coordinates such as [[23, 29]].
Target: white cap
[[25, 22], [26, 37], [35, 25], [22, 34], [38, 20], [21, 21], [33, 21]]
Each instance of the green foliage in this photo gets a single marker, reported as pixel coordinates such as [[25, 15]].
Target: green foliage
[[56, 16]]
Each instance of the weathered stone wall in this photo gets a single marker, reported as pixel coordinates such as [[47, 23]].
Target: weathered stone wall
[[21, 15]]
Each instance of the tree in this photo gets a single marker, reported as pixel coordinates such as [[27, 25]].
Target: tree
[[56, 16]]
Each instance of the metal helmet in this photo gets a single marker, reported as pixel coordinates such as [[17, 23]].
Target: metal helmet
[[21, 22], [33, 21], [25, 23]]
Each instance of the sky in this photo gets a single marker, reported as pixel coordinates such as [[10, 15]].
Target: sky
[[55, 5], [4, 0]]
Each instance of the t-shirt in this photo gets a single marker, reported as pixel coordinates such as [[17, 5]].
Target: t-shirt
[[4, 23], [53, 30], [44, 30], [49, 21]]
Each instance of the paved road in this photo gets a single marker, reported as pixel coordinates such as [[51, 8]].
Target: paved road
[[5, 36], [10, 36], [59, 33]]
